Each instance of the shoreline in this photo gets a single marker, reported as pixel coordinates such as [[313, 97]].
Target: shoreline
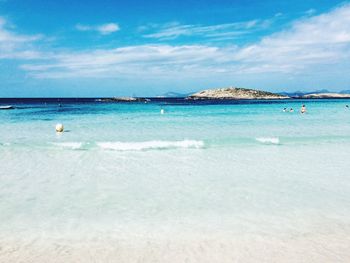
[[308, 247]]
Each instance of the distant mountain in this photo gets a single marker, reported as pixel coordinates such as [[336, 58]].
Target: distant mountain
[[326, 96], [345, 92], [172, 94], [292, 94], [318, 91], [302, 93]]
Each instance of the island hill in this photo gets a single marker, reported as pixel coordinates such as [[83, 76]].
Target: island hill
[[233, 93], [214, 94], [236, 94]]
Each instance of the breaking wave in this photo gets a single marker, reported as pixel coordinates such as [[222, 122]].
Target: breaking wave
[[149, 145], [69, 145], [268, 140]]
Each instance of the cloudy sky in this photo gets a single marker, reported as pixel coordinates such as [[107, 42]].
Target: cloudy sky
[[144, 48]]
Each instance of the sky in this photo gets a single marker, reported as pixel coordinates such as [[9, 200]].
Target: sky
[[87, 48]]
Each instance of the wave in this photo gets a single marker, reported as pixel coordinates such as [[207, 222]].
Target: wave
[[181, 144], [69, 145], [150, 145], [268, 140]]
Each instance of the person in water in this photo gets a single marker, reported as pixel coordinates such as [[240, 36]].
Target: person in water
[[303, 109], [291, 110], [285, 109]]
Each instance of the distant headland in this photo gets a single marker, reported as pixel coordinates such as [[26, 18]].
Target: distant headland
[[235, 93], [327, 95]]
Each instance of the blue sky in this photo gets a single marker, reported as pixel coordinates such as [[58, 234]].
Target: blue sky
[[146, 48]]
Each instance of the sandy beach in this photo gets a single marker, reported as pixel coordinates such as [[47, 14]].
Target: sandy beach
[[175, 247]]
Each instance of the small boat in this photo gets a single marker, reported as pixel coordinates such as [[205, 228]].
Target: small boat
[[7, 107]]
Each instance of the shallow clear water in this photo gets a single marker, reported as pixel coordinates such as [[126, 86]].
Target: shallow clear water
[[126, 169]]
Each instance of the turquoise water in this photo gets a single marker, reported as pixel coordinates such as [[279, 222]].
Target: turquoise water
[[126, 169], [215, 125]]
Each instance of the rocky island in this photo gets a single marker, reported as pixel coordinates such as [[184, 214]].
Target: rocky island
[[232, 93], [122, 99], [325, 96]]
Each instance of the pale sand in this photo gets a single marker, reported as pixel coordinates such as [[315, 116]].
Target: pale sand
[[180, 248]]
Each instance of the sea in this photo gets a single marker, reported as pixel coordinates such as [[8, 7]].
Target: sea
[[174, 180]]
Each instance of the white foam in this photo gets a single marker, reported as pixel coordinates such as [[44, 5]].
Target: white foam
[[268, 140], [69, 145], [149, 145]]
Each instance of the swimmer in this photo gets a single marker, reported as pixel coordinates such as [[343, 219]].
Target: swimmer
[[346, 106], [285, 109], [303, 109], [291, 110]]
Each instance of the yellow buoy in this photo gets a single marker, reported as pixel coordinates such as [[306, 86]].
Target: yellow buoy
[[59, 127]]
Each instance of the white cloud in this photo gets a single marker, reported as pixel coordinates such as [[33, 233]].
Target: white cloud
[[309, 43], [323, 39], [13, 45], [143, 60], [316, 45], [8, 36], [104, 29], [108, 28], [310, 12], [175, 30]]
